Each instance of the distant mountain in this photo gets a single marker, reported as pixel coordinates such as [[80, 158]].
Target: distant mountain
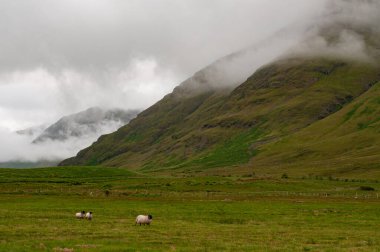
[[32, 131], [48, 145], [93, 121]]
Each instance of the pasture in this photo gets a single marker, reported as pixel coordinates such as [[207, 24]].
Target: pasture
[[189, 213]]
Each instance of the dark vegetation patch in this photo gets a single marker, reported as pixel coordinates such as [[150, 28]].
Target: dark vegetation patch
[[335, 106], [366, 188]]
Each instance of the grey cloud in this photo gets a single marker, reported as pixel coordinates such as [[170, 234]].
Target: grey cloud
[[97, 34]]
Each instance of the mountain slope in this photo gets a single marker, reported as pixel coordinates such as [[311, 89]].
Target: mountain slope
[[347, 142], [221, 127]]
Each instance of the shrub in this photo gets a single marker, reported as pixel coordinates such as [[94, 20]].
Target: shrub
[[248, 175], [284, 176], [107, 193], [366, 188]]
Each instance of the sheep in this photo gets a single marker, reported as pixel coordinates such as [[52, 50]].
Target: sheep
[[80, 215], [89, 215], [144, 219]]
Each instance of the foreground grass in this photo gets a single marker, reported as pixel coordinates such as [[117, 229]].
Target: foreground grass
[[190, 214]]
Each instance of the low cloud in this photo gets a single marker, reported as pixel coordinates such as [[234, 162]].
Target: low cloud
[[19, 147], [347, 45], [348, 30]]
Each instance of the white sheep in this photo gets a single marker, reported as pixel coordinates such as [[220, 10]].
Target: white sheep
[[80, 215], [144, 219], [89, 215]]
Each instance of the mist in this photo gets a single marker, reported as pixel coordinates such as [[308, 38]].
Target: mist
[[347, 30], [233, 69], [20, 147]]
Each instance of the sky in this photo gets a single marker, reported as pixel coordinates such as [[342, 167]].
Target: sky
[[60, 57]]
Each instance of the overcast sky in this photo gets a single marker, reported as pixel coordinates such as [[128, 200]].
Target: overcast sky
[[59, 57]]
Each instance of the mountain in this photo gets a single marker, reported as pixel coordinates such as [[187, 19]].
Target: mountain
[[93, 121], [32, 131], [221, 128], [311, 111]]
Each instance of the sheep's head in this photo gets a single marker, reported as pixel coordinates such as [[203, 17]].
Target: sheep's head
[[150, 217], [90, 212], [83, 212]]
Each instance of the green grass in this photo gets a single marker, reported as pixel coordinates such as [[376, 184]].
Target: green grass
[[234, 151], [189, 214]]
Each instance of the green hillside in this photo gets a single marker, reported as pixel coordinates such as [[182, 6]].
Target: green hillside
[[346, 143], [200, 128]]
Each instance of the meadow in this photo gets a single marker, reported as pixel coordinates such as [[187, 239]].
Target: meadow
[[219, 213]]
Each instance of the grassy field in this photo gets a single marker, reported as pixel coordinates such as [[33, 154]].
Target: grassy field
[[189, 214]]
